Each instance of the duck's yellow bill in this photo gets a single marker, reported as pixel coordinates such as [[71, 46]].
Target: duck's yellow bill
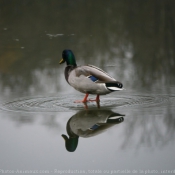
[[61, 61]]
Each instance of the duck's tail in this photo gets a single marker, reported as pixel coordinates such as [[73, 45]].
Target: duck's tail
[[114, 86]]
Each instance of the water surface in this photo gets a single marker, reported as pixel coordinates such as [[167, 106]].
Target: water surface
[[131, 131]]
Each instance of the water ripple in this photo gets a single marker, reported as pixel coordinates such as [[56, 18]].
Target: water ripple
[[64, 103], [141, 101]]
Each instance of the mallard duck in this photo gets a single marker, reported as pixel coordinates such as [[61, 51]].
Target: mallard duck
[[88, 79]]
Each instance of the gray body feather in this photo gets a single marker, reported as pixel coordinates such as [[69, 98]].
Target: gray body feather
[[78, 78]]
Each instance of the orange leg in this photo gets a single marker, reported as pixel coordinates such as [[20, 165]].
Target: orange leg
[[85, 99], [97, 99], [82, 101]]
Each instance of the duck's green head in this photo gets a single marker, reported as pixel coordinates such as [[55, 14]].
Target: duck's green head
[[68, 57]]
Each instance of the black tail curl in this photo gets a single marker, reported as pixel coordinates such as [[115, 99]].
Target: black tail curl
[[114, 86]]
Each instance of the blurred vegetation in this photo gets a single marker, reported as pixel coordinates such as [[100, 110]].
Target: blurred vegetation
[[99, 31]]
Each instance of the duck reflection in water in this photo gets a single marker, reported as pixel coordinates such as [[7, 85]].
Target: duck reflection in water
[[88, 123]]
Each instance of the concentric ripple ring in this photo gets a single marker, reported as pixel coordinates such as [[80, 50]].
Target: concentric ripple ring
[[64, 103]]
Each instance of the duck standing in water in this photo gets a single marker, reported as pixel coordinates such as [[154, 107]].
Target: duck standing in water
[[88, 79]]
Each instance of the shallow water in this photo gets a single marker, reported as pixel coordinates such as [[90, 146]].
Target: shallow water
[[62, 103], [129, 132]]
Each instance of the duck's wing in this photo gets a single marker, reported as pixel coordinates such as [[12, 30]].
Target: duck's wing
[[94, 73]]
